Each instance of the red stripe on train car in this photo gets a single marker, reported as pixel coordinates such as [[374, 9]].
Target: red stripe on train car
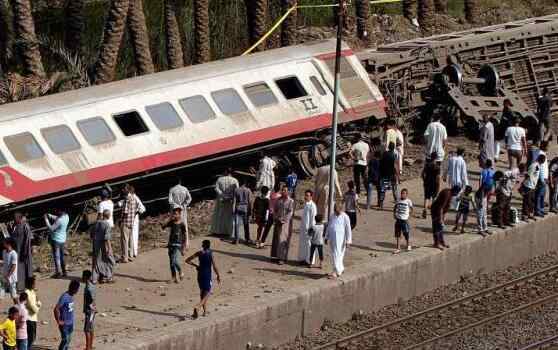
[[328, 56], [24, 188]]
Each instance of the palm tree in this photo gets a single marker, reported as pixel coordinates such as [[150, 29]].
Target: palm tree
[[363, 15], [75, 24], [27, 43], [409, 9], [472, 10], [288, 29], [139, 38], [201, 31], [112, 38], [175, 58], [6, 37], [256, 11], [441, 6], [426, 11]]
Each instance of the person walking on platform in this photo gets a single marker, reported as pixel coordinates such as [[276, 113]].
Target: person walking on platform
[[266, 172], [339, 237], [223, 221], [438, 210], [273, 198], [57, 239], [359, 154], [23, 238], [350, 199], [307, 221], [176, 244], [486, 141], [402, 212], [431, 179], [260, 214], [389, 175], [373, 178], [179, 197], [205, 278], [282, 214]]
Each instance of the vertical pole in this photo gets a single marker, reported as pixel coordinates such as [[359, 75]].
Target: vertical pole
[[333, 158]]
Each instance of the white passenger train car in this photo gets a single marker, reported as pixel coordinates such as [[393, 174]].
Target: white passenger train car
[[54, 145]]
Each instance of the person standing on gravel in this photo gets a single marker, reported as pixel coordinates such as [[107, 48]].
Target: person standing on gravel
[[57, 238], [23, 236], [486, 141], [179, 197], [282, 214], [130, 208], [516, 142], [103, 259], [266, 172], [339, 237], [435, 138], [222, 221], [359, 154]]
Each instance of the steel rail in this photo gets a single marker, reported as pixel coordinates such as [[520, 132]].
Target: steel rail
[[363, 334], [540, 343]]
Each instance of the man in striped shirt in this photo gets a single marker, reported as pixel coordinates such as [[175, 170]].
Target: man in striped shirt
[[129, 209]]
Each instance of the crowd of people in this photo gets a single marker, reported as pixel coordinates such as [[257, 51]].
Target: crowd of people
[[529, 172]]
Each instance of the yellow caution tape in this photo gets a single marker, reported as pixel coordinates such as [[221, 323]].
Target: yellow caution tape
[[282, 19]]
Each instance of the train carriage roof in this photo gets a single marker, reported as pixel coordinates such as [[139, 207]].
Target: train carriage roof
[[131, 86]]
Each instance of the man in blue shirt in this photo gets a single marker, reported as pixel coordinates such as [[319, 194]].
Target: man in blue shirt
[[64, 315], [57, 238]]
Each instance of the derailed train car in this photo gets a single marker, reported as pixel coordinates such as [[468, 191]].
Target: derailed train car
[[75, 142], [517, 58]]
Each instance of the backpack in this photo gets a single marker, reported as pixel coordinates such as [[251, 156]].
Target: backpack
[[488, 181]]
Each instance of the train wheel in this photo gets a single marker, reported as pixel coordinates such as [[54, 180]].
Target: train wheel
[[307, 163]]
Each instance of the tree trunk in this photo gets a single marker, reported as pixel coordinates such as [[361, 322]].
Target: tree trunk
[[472, 10], [6, 37], [256, 11], [75, 25], [181, 18], [426, 15], [201, 31], [27, 43], [175, 59], [441, 6], [112, 38], [288, 29], [139, 38], [362, 18], [410, 9]]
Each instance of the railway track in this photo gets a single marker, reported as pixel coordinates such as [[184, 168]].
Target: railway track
[[542, 344], [425, 329]]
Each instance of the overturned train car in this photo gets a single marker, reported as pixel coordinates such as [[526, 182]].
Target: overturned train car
[[76, 142]]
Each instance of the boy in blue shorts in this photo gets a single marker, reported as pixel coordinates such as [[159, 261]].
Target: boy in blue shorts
[[402, 212]]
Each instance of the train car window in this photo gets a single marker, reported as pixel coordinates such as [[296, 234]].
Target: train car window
[[164, 116], [2, 159], [318, 85], [24, 147], [260, 94], [291, 88], [228, 101], [95, 131], [197, 109], [130, 123], [60, 139], [346, 70]]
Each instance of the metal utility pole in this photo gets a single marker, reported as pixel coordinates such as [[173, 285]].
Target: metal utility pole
[[340, 14]]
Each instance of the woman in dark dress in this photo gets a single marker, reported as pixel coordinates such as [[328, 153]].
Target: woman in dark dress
[[206, 263]]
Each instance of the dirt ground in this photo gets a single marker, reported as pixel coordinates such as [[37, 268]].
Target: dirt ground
[[142, 299]]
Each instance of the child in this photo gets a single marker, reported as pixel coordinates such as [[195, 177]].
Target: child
[[431, 178], [21, 323], [466, 200], [177, 243], [292, 181], [402, 211], [33, 306], [351, 203], [8, 329], [206, 263], [260, 213], [10, 259], [373, 179], [486, 181], [64, 315], [89, 308], [504, 188], [481, 204], [317, 241]]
